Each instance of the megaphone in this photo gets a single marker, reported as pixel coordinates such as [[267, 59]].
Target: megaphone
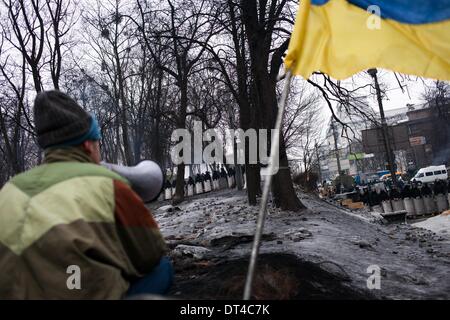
[[146, 178]]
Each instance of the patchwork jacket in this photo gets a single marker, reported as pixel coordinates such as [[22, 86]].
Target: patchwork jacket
[[72, 219]]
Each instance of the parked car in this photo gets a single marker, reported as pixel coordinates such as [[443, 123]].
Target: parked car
[[387, 176], [431, 174]]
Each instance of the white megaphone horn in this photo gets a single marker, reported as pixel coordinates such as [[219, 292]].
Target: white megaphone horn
[[146, 178]]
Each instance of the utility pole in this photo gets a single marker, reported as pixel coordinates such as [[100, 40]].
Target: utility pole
[[336, 150], [384, 127]]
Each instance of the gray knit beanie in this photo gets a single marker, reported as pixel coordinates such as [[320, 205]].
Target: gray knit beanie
[[58, 118]]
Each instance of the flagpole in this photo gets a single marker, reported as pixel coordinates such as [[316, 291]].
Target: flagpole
[[274, 152]]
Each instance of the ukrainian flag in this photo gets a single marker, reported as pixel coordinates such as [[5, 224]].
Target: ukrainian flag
[[343, 37]]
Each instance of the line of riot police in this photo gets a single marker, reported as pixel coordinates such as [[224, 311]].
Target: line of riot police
[[414, 198], [205, 182]]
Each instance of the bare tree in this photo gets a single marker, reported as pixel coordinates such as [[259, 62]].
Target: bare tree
[[62, 19], [25, 31], [27, 49], [267, 42], [179, 30], [110, 38]]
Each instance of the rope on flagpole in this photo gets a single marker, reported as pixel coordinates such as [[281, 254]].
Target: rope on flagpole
[[274, 152]]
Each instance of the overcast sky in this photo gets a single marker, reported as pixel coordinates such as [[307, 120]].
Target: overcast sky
[[413, 88], [395, 97]]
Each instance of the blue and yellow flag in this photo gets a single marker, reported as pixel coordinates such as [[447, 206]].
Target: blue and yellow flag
[[343, 37]]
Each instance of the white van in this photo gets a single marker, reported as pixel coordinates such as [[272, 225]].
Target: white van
[[431, 174]]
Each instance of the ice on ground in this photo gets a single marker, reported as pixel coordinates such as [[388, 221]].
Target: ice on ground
[[194, 251], [414, 262]]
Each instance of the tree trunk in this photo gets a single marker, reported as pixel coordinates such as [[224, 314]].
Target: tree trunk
[[179, 189], [253, 182], [282, 185], [282, 188], [259, 37], [124, 124]]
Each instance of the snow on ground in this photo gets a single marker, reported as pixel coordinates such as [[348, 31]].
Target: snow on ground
[[219, 226], [439, 224]]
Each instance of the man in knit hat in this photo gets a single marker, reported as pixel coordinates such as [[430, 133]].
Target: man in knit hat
[[70, 228]]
